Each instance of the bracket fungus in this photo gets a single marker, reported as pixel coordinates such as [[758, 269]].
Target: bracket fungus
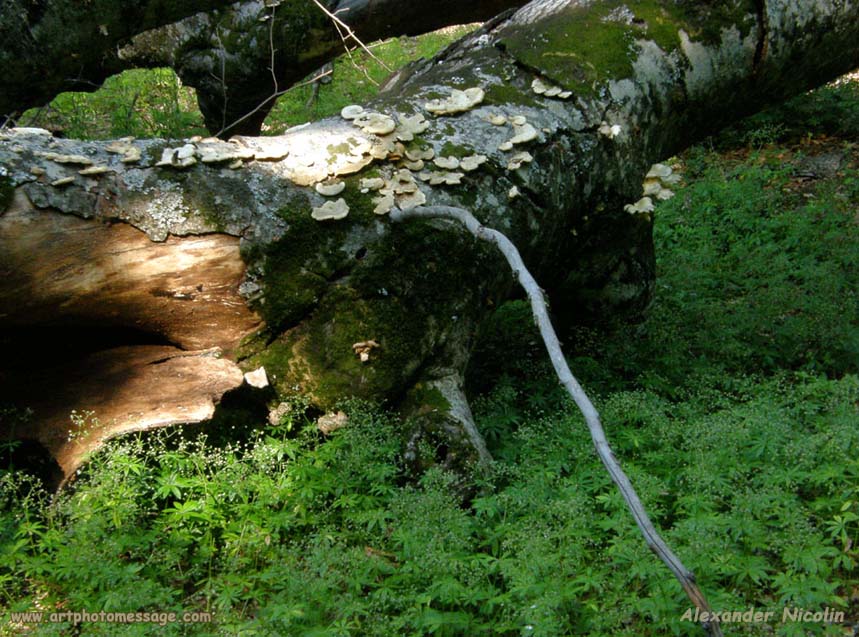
[[66, 159], [375, 123], [458, 101], [95, 170], [447, 178], [656, 181], [331, 210], [258, 148], [664, 173], [472, 162], [215, 153], [181, 157], [64, 181], [411, 200], [371, 183], [516, 161], [642, 206], [384, 203], [130, 154], [415, 165], [522, 133], [448, 163], [330, 188], [415, 154], [411, 126], [352, 111], [610, 131], [496, 119], [542, 86]]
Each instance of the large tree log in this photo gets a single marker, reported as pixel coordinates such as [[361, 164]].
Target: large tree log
[[358, 306], [240, 58]]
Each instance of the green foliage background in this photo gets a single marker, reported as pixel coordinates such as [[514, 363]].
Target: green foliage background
[[734, 407]]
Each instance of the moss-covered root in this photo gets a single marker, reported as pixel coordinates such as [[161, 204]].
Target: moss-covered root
[[443, 426]]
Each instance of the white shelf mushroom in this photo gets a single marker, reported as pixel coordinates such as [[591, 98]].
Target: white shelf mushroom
[[66, 159], [458, 102], [516, 161], [414, 154], [523, 134], [448, 163], [472, 162], [538, 86], [352, 111], [411, 126], [95, 170], [376, 124], [330, 188], [371, 183], [384, 203], [610, 131], [411, 200], [642, 206], [331, 211]]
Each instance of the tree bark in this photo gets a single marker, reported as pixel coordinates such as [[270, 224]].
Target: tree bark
[[361, 307]]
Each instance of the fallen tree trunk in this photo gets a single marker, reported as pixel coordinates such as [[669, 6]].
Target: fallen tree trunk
[[359, 307], [239, 59]]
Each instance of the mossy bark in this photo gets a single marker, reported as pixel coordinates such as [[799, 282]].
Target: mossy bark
[[362, 307]]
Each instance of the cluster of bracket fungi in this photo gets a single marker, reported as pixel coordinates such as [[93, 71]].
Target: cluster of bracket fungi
[[321, 164]]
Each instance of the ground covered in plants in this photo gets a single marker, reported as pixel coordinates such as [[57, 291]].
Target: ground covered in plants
[[734, 407]]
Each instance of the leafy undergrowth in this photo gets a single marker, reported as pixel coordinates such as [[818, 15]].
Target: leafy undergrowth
[[734, 407]]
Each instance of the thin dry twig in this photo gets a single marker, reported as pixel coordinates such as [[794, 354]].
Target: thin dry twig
[[349, 35], [271, 97], [592, 419]]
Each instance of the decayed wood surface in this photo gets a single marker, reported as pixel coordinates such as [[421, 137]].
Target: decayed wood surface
[[60, 271]]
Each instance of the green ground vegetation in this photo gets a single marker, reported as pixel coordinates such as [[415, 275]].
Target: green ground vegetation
[[734, 408]]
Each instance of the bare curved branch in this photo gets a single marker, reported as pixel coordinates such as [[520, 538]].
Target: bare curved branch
[[541, 317]]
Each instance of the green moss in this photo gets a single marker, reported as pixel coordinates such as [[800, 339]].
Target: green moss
[[421, 400], [581, 47], [7, 193], [455, 150], [401, 294], [509, 94], [318, 359], [297, 266]]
